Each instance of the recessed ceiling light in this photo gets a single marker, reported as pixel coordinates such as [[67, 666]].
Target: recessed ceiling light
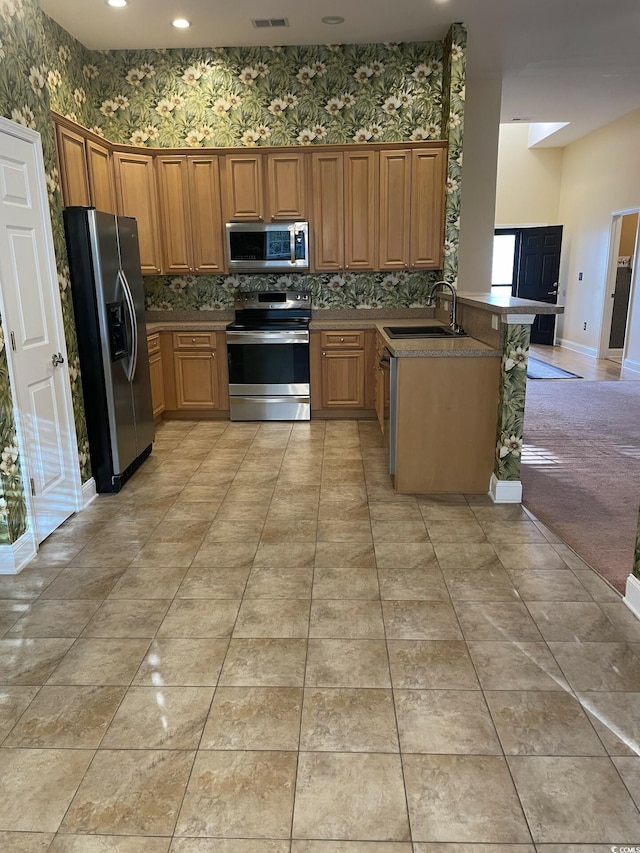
[[181, 23], [117, 2], [333, 19]]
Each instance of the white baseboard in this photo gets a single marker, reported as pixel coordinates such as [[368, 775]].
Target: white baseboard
[[505, 491], [14, 557], [632, 595], [630, 364], [89, 493], [591, 352]]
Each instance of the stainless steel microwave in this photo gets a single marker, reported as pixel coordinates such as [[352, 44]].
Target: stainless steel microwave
[[268, 246]]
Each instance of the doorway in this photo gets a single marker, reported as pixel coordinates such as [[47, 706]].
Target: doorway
[[36, 350], [527, 265], [620, 286]]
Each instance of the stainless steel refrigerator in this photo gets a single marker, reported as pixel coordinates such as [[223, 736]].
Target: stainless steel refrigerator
[[108, 302]]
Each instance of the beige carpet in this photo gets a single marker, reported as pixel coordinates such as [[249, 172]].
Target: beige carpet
[[581, 467]]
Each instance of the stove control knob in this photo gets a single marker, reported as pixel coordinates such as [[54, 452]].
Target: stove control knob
[[297, 296]]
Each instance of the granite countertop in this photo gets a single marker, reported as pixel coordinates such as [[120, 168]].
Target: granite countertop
[[434, 347], [400, 347], [507, 304]]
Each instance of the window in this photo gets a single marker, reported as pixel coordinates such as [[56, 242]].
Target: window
[[504, 248]]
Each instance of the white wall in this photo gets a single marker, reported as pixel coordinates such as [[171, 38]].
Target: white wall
[[528, 180], [481, 123], [600, 176]]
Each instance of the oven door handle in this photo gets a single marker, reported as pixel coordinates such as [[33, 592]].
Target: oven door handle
[[279, 337]]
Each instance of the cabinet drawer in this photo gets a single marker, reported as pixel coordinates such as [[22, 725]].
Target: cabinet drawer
[[153, 343], [342, 340], [194, 340]]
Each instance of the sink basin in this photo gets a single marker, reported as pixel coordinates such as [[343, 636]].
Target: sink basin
[[422, 332]]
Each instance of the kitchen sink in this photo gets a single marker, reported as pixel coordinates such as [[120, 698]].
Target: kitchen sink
[[423, 332]]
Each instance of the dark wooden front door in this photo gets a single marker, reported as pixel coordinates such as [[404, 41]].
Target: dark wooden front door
[[537, 266]]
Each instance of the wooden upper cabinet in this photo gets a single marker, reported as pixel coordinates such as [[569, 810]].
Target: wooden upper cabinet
[[101, 182], [244, 187], [286, 186], [136, 194], [72, 163], [394, 209], [189, 188], [206, 214], [360, 193], [173, 180], [427, 207], [327, 175]]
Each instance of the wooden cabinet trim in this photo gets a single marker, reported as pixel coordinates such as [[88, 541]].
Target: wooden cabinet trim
[[244, 187], [360, 217], [196, 376], [343, 340], [72, 165], [286, 186], [102, 183], [137, 196], [175, 214], [194, 340]]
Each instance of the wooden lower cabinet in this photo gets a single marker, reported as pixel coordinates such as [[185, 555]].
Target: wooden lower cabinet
[[342, 375], [196, 380], [156, 375], [446, 416], [381, 383]]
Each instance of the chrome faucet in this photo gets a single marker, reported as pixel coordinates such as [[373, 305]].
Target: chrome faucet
[[432, 299]]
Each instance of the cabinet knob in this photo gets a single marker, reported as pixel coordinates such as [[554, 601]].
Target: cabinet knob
[[324, 353], [260, 219], [193, 340], [341, 340], [213, 355]]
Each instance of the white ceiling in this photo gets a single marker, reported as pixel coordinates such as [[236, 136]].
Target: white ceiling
[[574, 61]]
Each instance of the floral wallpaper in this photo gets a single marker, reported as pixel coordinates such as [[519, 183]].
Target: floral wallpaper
[[254, 96], [24, 98], [347, 290], [515, 354], [453, 130]]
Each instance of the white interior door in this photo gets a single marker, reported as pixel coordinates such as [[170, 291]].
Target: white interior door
[[34, 334]]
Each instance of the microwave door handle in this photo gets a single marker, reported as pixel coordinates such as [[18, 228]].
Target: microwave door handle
[[292, 241]]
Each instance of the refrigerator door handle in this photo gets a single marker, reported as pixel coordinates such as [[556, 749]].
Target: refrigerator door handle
[[128, 298]]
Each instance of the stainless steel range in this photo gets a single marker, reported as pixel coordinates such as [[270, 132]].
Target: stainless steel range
[[268, 351]]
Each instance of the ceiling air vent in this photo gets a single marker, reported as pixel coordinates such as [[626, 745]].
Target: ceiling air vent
[[260, 23]]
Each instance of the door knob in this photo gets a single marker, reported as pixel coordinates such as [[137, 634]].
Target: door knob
[[57, 359]]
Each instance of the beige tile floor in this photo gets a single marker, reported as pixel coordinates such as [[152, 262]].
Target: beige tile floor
[[259, 647]]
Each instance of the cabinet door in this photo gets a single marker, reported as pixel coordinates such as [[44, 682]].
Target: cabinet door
[[244, 187], [196, 380], [395, 194], [136, 194], [328, 211], [286, 184], [72, 162], [175, 214], [427, 203], [343, 379], [155, 374], [206, 214], [101, 182], [360, 190]]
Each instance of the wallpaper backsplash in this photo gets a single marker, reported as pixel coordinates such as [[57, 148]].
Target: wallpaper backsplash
[[255, 96]]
